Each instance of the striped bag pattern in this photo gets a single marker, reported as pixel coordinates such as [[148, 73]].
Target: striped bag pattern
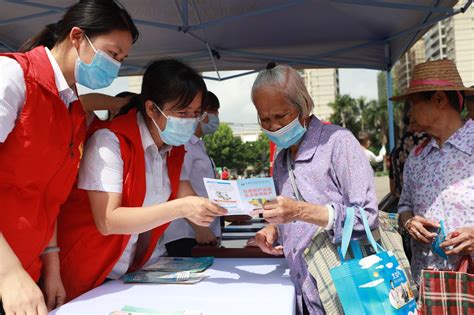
[[447, 292], [322, 255]]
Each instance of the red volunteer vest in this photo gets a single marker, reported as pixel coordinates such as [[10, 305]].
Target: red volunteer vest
[[87, 256], [39, 161]]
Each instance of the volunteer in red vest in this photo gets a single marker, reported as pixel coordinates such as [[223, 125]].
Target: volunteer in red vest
[[129, 185], [42, 130]]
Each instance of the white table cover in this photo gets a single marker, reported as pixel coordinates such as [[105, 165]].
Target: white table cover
[[234, 286]]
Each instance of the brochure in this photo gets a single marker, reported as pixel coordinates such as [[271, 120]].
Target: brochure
[[145, 276], [243, 196], [177, 264]]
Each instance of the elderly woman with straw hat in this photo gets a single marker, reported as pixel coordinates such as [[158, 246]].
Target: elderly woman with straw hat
[[320, 171], [438, 185]]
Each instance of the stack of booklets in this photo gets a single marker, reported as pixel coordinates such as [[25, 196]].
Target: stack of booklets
[[132, 310], [172, 270]]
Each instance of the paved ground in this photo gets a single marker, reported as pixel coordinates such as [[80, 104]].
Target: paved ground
[[382, 186]]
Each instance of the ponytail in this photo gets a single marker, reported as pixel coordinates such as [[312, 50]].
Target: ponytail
[[137, 103], [47, 37]]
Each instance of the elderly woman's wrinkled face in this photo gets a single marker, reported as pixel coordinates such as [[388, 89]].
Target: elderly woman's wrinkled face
[[412, 125], [273, 108], [424, 112]]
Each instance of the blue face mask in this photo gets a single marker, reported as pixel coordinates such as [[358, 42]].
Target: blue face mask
[[99, 73], [177, 131], [288, 135], [211, 126]]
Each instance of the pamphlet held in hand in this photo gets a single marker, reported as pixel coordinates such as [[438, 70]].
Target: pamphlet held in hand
[[243, 196]]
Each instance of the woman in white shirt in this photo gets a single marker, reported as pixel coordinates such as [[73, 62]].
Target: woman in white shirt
[[182, 235], [130, 178]]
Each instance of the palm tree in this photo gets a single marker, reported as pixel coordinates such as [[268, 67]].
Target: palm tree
[[346, 113]]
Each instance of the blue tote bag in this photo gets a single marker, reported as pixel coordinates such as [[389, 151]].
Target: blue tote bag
[[374, 284]]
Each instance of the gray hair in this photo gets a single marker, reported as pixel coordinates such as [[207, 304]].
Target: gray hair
[[291, 84]]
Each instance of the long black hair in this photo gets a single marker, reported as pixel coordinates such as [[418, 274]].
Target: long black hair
[[167, 80], [94, 17]]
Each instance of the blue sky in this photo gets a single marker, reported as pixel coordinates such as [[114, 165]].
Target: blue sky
[[234, 94]]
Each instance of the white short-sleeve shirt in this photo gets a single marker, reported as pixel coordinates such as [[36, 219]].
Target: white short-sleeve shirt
[[13, 91], [197, 165], [102, 170]]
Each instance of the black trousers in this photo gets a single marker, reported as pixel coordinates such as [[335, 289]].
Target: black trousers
[[181, 247], [2, 311]]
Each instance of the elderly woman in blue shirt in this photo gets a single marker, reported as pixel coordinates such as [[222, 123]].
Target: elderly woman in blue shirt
[[332, 173]]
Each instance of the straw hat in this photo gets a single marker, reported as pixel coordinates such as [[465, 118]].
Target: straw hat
[[438, 75]]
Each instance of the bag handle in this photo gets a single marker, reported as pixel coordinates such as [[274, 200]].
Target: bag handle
[[349, 227], [465, 263], [377, 247], [347, 231], [292, 178]]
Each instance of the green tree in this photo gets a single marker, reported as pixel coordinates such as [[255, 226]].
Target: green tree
[[225, 149], [346, 113], [257, 153], [375, 121]]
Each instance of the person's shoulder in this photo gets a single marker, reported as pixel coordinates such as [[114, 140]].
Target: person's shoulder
[[8, 62], [11, 70], [337, 134], [334, 130], [104, 137]]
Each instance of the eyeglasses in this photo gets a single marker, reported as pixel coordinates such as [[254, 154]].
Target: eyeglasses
[[184, 114], [211, 111]]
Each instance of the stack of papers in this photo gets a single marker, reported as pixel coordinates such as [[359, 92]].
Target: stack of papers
[[144, 276], [132, 310], [191, 264], [172, 270]]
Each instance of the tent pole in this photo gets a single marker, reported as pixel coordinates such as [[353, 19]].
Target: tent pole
[[391, 131]]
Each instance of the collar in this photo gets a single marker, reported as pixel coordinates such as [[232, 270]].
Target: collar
[[63, 88], [308, 148], [462, 140], [194, 139], [147, 140]]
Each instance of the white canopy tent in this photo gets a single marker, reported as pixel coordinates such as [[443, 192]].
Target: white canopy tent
[[213, 35]]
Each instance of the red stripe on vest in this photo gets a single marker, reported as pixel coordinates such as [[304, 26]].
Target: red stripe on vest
[[87, 256], [38, 161]]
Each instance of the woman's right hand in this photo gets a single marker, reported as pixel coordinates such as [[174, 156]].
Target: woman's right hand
[[418, 228], [266, 237], [201, 211], [20, 294]]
